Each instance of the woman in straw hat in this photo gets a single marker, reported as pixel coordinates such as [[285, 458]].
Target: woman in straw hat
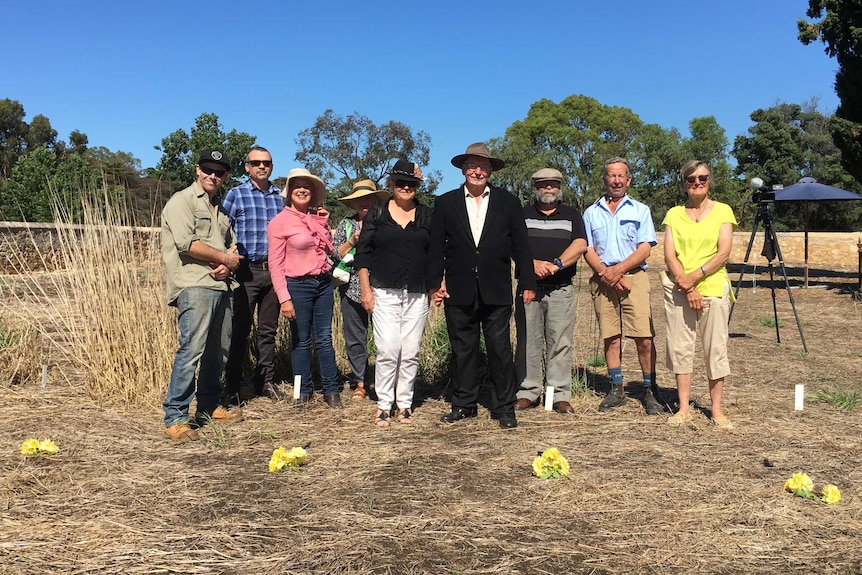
[[299, 245], [390, 260], [354, 318]]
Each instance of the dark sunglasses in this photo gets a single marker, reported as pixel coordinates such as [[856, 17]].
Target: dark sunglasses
[[256, 163], [210, 171], [692, 179], [406, 184]]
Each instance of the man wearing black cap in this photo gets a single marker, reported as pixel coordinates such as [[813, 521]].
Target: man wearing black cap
[[250, 207], [477, 230], [200, 257], [546, 326]]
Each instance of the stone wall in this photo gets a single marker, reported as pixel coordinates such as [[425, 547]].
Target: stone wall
[[28, 247], [836, 251], [35, 246]]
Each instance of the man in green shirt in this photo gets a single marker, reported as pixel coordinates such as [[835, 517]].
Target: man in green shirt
[[199, 251]]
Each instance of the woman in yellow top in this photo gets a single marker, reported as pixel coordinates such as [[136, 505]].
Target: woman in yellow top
[[697, 241]]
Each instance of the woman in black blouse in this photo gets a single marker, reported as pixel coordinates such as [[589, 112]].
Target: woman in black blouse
[[390, 259]]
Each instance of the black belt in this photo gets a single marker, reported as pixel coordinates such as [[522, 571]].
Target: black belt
[[324, 275], [261, 265]]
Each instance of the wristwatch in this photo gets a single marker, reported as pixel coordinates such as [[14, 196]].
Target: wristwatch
[[558, 263]]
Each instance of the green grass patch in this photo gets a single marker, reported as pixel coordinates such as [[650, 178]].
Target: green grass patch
[[838, 396], [597, 361], [768, 321]]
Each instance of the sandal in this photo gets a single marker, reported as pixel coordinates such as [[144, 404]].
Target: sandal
[[722, 422], [359, 392], [382, 419], [405, 416], [678, 419]]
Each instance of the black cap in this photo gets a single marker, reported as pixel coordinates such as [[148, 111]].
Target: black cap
[[214, 157]]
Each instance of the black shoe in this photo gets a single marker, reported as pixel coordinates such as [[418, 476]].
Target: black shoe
[[272, 391], [614, 398], [302, 402], [457, 414], [507, 421], [651, 404]]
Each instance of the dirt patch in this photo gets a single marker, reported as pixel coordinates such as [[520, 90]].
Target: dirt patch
[[430, 498]]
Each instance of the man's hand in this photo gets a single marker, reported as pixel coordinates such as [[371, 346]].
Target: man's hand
[[220, 272], [612, 275], [529, 296], [544, 269], [231, 259], [439, 294]]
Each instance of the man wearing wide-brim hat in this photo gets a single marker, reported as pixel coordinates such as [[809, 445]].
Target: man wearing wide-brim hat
[[477, 231], [354, 318]]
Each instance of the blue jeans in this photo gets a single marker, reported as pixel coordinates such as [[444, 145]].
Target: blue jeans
[[205, 327], [313, 300]]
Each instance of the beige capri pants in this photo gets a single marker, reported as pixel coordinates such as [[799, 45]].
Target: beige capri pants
[[684, 325]]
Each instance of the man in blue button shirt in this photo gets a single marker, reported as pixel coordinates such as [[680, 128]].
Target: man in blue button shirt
[[620, 234], [250, 207]]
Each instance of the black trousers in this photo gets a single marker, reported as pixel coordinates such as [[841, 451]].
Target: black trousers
[[463, 322], [254, 293]]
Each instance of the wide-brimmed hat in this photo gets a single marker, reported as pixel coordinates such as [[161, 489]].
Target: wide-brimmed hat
[[318, 194], [547, 174], [214, 157], [361, 189], [481, 150], [403, 170]]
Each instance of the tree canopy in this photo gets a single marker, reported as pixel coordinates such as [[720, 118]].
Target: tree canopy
[[838, 25], [344, 149], [181, 149]]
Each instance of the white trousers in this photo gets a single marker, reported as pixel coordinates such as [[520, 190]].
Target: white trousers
[[398, 320]]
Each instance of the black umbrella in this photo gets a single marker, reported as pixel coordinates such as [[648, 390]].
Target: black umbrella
[[808, 190]]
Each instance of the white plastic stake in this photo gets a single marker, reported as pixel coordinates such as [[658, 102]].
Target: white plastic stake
[[297, 379], [800, 396], [44, 375], [549, 398]]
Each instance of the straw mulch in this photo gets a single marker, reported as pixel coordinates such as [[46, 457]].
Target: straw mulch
[[430, 498]]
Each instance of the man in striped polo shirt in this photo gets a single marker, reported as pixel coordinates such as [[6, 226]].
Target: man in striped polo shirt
[[545, 327]]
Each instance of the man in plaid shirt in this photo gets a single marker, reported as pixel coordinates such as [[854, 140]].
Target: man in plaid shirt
[[250, 207]]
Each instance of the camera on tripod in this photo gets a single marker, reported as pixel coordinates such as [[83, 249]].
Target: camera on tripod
[[759, 193]]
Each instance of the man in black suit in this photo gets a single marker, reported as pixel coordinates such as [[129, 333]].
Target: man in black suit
[[477, 230]]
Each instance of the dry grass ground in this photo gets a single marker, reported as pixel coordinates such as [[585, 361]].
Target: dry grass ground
[[431, 498]]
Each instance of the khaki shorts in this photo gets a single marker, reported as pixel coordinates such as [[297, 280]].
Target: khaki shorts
[[685, 325], [624, 313]]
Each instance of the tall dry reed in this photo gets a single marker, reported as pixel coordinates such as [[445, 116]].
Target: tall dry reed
[[103, 312]]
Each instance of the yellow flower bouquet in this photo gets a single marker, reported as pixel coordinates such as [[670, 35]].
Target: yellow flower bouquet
[[283, 459], [551, 464], [801, 485], [35, 447]]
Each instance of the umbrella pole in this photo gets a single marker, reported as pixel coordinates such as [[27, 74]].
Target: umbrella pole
[[807, 212]]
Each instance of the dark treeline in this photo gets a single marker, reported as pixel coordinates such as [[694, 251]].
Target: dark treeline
[[783, 144]]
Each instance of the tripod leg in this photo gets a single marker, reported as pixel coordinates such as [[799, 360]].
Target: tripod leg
[[744, 265], [774, 305], [783, 269]]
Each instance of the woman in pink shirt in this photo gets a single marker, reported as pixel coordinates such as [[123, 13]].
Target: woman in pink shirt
[[299, 243]]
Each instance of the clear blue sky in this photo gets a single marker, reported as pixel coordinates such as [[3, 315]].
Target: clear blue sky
[[129, 73]]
